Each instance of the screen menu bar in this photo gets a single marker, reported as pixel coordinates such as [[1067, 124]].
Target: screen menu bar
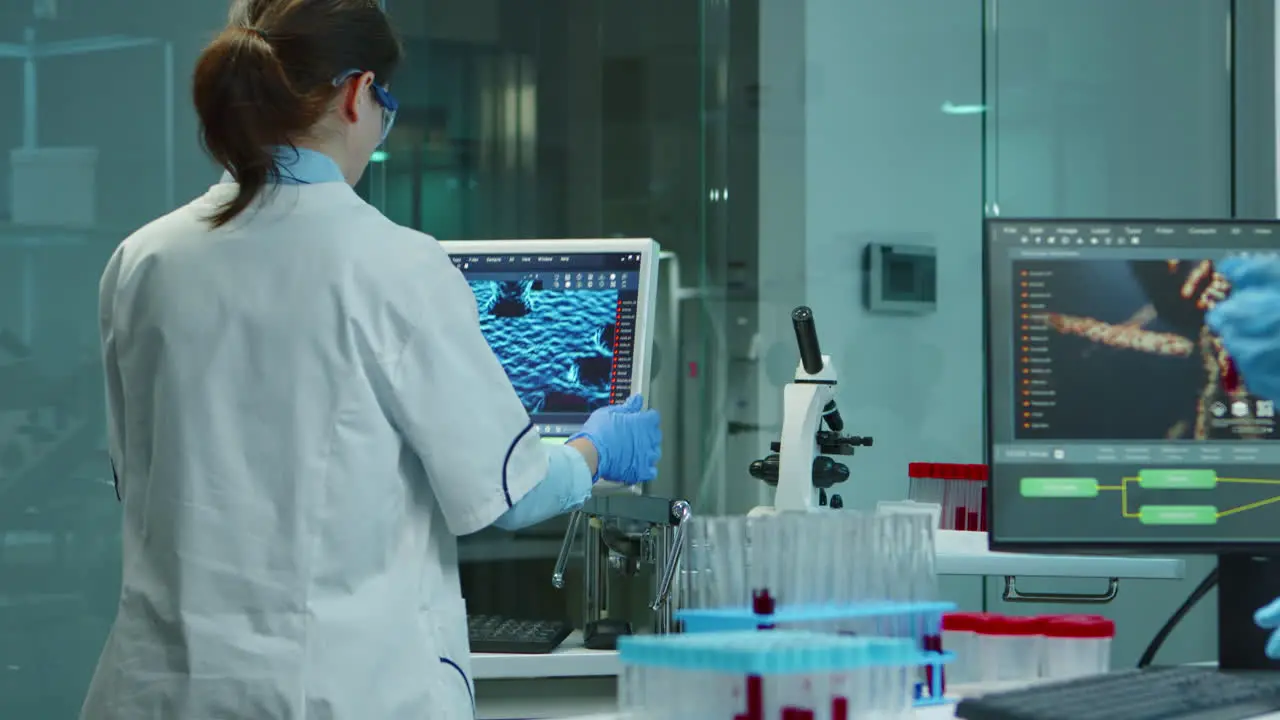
[[550, 262], [1059, 234], [549, 280]]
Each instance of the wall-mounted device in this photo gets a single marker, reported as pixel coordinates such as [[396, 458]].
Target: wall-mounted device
[[901, 279]]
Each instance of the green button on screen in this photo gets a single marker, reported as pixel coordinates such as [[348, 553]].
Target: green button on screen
[[1178, 479], [1178, 515], [1063, 487]]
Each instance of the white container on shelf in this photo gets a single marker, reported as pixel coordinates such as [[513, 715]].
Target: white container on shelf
[[1076, 646], [54, 187]]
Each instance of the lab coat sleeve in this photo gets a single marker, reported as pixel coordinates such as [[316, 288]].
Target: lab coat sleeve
[[111, 368], [566, 487], [456, 408]]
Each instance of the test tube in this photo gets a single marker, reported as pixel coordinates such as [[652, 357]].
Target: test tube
[[851, 544], [790, 559], [692, 561], [737, 540], [720, 561], [841, 691], [764, 538]]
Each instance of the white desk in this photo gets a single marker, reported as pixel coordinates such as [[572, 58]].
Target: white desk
[[966, 553], [571, 681], [571, 659], [937, 712], [576, 682]]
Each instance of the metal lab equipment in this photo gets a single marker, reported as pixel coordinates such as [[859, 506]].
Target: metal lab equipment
[[624, 533]]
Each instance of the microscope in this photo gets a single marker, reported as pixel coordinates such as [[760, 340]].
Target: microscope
[[800, 467]]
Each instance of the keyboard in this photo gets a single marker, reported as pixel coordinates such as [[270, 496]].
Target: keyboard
[[498, 634], [1172, 693]]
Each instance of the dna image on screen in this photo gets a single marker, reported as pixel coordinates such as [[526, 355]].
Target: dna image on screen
[[556, 345], [1119, 349]]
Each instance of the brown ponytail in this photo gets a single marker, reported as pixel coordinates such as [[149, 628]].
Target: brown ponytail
[[267, 79]]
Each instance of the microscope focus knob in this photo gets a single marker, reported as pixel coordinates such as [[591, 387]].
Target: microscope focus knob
[[766, 469], [828, 472], [837, 502]]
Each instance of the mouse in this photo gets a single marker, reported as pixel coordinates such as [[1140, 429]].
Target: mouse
[[603, 634]]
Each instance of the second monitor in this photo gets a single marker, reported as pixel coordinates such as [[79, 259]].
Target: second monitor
[[570, 320], [1116, 418]]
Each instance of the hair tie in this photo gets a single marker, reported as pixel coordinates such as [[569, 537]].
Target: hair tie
[[257, 31]]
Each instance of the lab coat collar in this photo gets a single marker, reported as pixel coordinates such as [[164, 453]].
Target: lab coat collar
[[300, 166]]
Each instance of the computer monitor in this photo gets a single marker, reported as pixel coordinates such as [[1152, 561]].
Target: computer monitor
[[571, 321], [1115, 419]]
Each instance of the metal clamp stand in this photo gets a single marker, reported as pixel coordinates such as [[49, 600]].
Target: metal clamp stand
[[622, 533]]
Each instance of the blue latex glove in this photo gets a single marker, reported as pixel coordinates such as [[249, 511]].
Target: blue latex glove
[[1248, 322], [1268, 618], [1247, 272], [628, 440]]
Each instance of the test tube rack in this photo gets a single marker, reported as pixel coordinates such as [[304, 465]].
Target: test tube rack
[[960, 490], [796, 674], [919, 622]]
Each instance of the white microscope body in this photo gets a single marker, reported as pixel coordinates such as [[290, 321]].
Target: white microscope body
[[800, 468]]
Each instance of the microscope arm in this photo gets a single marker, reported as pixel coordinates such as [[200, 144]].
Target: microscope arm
[[802, 405]]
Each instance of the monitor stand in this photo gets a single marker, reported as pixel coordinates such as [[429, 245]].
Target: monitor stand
[[1245, 583]]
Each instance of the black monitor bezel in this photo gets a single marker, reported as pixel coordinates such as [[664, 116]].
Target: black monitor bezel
[[1165, 547]]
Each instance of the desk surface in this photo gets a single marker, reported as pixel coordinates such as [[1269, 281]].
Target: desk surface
[[939, 712], [571, 659], [966, 553]]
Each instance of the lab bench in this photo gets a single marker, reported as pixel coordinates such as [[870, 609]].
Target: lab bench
[[574, 682], [571, 681], [937, 712]]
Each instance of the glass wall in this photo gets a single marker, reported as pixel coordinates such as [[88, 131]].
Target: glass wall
[[520, 119], [558, 119], [96, 138], [904, 122]]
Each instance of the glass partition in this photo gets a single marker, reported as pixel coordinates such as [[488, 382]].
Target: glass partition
[[96, 138], [904, 123], [555, 119], [537, 119]]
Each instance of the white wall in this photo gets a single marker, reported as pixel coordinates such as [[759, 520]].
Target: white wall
[[1099, 111]]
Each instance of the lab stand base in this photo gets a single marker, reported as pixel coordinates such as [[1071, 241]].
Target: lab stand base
[[1245, 583]]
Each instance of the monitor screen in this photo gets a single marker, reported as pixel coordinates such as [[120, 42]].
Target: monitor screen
[[1115, 417], [565, 325]]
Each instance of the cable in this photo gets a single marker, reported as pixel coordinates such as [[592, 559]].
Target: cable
[[1196, 595]]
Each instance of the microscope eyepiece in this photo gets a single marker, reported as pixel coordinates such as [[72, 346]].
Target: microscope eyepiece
[[807, 340]]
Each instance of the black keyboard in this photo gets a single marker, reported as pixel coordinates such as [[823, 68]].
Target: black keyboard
[[497, 634], [1172, 693]]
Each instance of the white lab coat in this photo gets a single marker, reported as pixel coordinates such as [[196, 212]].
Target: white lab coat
[[303, 416]]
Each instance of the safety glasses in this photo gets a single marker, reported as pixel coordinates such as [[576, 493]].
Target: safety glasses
[[390, 106]]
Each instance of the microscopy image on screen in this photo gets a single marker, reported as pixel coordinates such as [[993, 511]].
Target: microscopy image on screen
[[1118, 349], [556, 345]]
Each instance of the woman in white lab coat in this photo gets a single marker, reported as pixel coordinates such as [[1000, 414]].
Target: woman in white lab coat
[[303, 414]]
